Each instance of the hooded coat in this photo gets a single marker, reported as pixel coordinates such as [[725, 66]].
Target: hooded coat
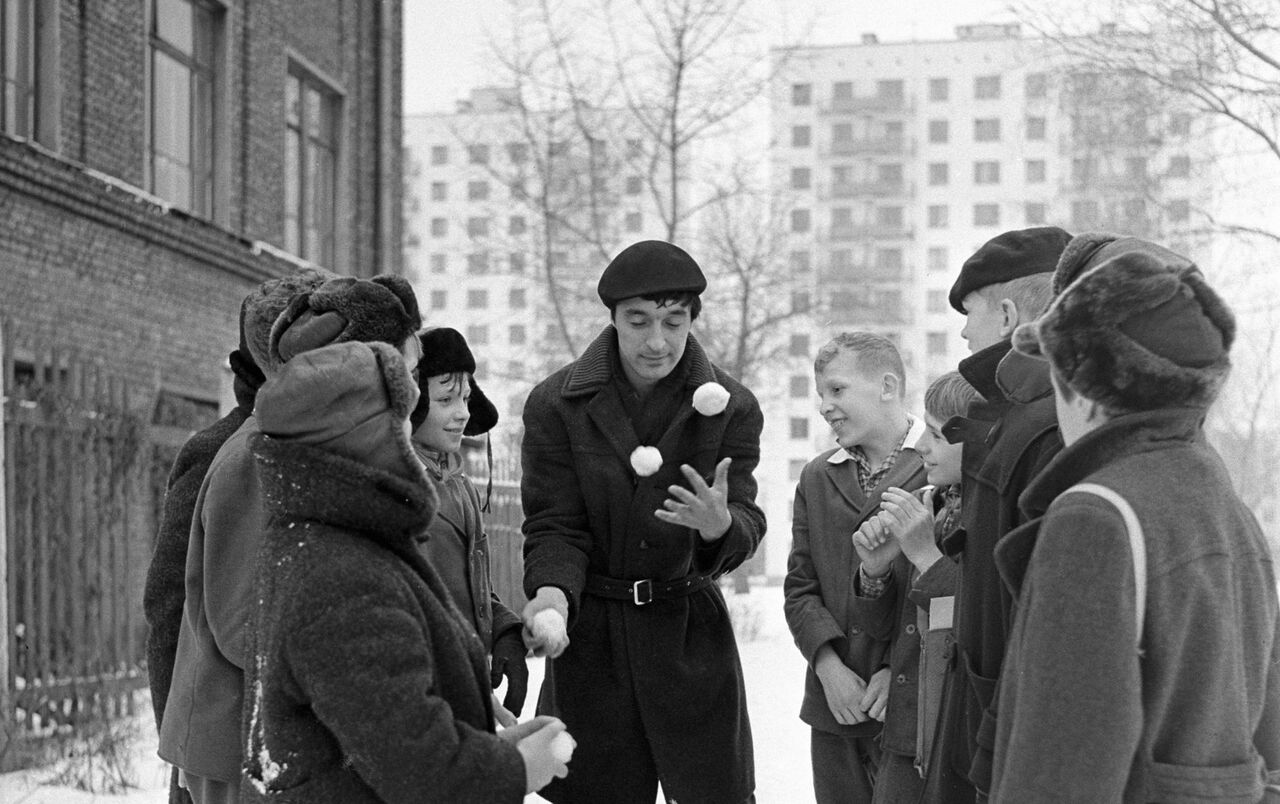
[[1086, 716], [367, 684], [664, 678]]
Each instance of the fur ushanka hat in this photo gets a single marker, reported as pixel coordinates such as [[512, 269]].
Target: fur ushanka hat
[[1091, 249], [445, 351], [1136, 333], [382, 309], [265, 303]]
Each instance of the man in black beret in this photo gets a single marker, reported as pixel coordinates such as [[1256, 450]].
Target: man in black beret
[[1008, 436], [636, 500]]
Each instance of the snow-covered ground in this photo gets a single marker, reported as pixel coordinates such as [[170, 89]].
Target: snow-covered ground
[[774, 675]]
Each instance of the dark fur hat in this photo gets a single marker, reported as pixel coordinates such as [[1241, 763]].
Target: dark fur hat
[[382, 309], [1091, 249], [1009, 256], [649, 268], [265, 303], [1136, 333], [445, 351]]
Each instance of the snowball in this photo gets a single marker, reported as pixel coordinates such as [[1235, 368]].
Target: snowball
[[646, 460], [549, 627], [562, 746], [710, 399]]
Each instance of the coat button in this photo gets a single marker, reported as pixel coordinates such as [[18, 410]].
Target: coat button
[[855, 630], [911, 629], [644, 545], [901, 679]]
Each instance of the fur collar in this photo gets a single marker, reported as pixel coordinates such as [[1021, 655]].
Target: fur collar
[[594, 368]]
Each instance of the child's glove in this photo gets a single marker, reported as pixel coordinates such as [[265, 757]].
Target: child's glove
[[509, 660]]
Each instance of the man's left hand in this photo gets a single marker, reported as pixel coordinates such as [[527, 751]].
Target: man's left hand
[[705, 508]]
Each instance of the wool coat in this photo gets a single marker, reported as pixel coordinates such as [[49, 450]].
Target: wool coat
[[1091, 710], [663, 678], [1008, 438], [457, 548], [368, 684], [820, 600]]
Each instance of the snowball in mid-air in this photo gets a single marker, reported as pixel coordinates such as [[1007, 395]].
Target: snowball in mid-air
[[710, 399], [646, 460]]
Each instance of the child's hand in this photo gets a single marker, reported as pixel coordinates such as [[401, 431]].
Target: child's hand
[[911, 523], [874, 544]]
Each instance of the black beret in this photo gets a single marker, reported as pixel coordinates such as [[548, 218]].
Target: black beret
[[1011, 255], [648, 268], [445, 351]]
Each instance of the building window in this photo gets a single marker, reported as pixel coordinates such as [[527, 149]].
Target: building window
[[799, 386], [986, 87], [1035, 171], [478, 227], [181, 124], [311, 160], [800, 301], [939, 174], [938, 131], [939, 89], [799, 220], [936, 301], [1135, 210], [516, 299], [1037, 85], [890, 89], [477, 299], [1179, 166], [986, 214], [935, 344], [801, 94], [842, 91], [515, 262], [1081, 170], [795, 467], [888, 261], [1037, 213], [936, 259], [841, 133], [477, 191], [516, 335], [439, 227], [478, 154], [799, 262], [890, 217], [1180, 124], [1135, 167], [798, 346], [986, 129], [799, 428], [439, 263], [1036, 128], [478, 262], [634, 185], [19, 87], [517, 152], [633, 221], [439, 154], [800, 136], [1084, 214], [478, 335], [937, 216], [516, 225], [841, 261], [986, 172], [1179, 210], [439, 299], [800, 178], [439, 191]]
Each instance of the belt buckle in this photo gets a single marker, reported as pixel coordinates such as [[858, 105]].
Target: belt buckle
[[642, 592]]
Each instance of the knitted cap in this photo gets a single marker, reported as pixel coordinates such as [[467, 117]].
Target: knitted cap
[[352, 399], [648, 268], [1008, 256], [382, 309], [1136, 332], [445, 351]]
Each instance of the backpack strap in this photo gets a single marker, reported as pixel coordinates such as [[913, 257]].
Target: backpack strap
[[1137, 545]]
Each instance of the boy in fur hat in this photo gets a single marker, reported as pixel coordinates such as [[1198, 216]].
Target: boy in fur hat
[[450, 406], [367, 684], [200, 733], [165, 589], [1144, 662]]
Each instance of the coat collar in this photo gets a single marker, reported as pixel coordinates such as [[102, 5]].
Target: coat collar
[[1124, 435], [980, 369], [842, 472], [1023, 379], [594, 369]]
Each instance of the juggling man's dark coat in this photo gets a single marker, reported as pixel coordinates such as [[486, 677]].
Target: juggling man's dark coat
[[664, 678]]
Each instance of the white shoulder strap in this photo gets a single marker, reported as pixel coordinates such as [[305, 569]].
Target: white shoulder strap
[[1137, 545]]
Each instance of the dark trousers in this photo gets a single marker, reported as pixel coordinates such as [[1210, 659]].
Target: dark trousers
[[897, 780], [844, 768]]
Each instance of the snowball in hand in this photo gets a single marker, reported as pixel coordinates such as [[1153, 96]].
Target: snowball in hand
[[562, 746], [710, 399], [646, 460], [548, 627]]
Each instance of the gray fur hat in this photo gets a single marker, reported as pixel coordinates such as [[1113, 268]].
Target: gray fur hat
[[263, 306], [382, 309], [1136, 332], [1091, 249]]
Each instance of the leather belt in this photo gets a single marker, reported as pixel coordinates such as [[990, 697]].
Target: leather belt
[[645, 590]]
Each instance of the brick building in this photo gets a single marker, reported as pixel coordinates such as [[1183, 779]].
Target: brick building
[[161, 157]]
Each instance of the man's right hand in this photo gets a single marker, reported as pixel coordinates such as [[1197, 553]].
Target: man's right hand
[[843, 687], [533, 739], [543, 634]]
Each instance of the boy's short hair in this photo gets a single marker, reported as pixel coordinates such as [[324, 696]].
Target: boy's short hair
[[949, 395], [876, 355], [1030, 294], [692, 300]]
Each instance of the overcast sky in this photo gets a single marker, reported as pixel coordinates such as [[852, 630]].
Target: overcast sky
[[445, 41]]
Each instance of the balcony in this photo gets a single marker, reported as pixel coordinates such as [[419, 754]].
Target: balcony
[[873, 187], [861, 274], [868, 231], [867, 103], [871, 145]]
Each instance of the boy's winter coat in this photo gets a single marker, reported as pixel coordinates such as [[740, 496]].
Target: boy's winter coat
[[673, 663]]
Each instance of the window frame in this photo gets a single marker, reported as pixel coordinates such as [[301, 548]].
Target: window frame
[[333, 234]]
